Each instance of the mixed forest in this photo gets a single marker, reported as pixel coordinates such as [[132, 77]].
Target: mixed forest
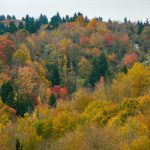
[[74, 83]]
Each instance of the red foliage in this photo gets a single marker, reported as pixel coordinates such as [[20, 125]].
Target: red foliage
[[59, 92], [130, 59], [84, 40], [56, 89], [108, 38], [63, 92], [71, 24]]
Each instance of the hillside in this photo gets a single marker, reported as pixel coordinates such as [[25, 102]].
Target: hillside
[[74, 83]]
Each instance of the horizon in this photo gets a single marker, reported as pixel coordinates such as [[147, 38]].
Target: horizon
[[133, 10]]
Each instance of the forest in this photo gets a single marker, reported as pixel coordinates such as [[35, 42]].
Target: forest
[[74, 83]]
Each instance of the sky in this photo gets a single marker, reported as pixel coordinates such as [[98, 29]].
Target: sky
[[114, 9]]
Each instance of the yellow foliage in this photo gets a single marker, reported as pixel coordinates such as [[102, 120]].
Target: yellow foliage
[[142, 143], [62, 123], [22, 54], [140, 79]]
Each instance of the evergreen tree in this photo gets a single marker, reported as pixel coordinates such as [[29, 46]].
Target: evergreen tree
[[53, 74], [7, 93], [12, 27], [36, 26], [56, 20], [52, 101], [24, 103], [109, 21], [9, 17], [99, 69], [125, 20], [13, 17], [30, 24], [2, 17], [140, 27], [43, 19], [67, 18], [2, 28], [21, 26]]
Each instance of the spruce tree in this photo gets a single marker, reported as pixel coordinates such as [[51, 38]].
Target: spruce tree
[[53, 74], [21, 26], [12, 27], [56, 20], [52, 101], [99, 69], [7, 93]]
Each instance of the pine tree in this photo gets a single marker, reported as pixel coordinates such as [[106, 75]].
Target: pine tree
[[43, 19], [99, 69], [52, 101], [2, 17], [2, 28], [21, 26], [56, 20], [12, 27], [7, 93], [24, 103], [125, 20], [53, 74]]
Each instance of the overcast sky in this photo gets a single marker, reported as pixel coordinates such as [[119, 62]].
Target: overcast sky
[[115, 9]]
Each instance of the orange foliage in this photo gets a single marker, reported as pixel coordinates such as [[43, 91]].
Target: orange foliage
[[84, 40], [130, 59], [6, 49]]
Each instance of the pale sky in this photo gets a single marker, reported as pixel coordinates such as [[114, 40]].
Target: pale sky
[[115, 9]]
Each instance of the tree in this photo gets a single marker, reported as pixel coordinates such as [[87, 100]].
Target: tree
[[2, 17], [7, 93], [30, 24], [56, 20], [125, 20], [21, 26], [130, 59], [27, 81], [22, 55], [99, 69], [82, 65], [6, 49], [12, 27], [2, 28], [81, 20], [43, 19], [23, 103], [52, 101], [139, 76], [53, 74]]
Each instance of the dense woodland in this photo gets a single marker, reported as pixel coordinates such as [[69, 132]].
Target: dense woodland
[[74, 83]]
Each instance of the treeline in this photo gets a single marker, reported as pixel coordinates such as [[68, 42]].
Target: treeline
[[32, 25]]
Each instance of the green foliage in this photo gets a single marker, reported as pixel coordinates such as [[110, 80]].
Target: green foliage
[[52, 101], [23, 103], [53, 74], [58, 92], [100, 68], [44, 128], [56, 20], [7, 93], [12, 27]]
